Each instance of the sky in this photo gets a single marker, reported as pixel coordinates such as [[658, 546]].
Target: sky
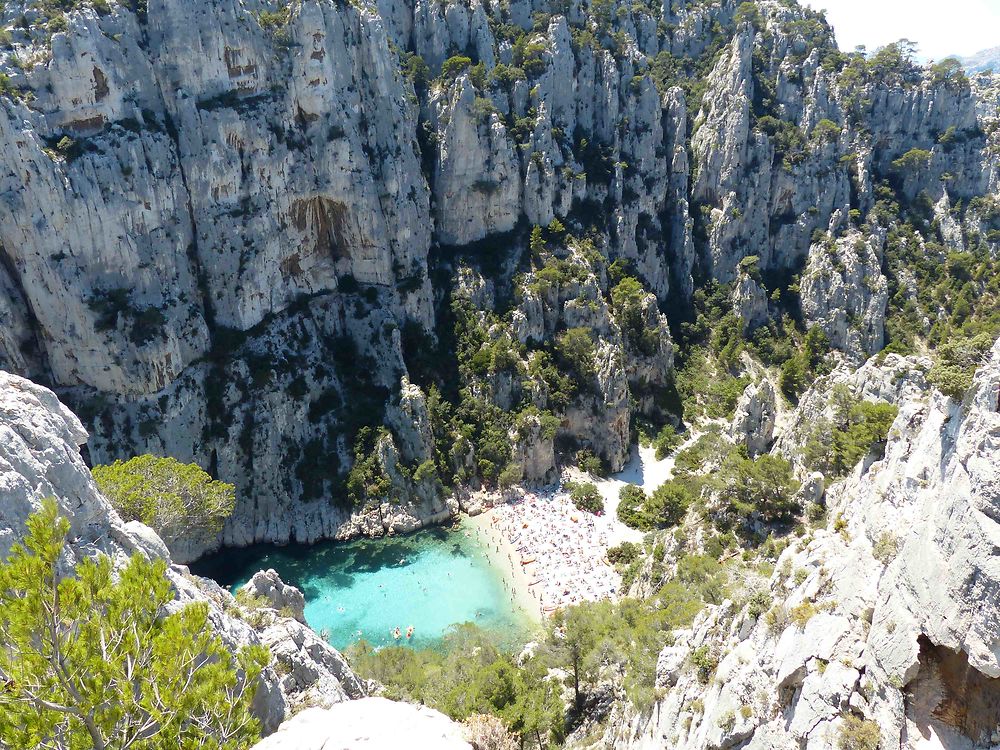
[[940, 29]]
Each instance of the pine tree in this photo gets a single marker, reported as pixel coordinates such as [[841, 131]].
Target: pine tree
[[94, 660]]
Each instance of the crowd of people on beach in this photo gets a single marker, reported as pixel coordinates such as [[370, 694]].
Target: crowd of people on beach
[[562, 550]]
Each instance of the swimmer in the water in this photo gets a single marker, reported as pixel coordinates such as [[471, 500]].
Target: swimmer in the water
[[396, 634], [409, 632]]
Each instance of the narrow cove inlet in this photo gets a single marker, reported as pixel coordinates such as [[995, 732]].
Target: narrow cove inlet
[[365, 589]]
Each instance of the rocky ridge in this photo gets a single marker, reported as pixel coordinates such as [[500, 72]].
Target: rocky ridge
[[885, 612], [40, 458]]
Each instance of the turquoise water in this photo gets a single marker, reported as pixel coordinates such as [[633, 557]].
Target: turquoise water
[[430, 579]]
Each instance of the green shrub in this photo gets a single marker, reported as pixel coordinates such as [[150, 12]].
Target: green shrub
[[957, 361], [170, 497], [793, 378], [666, 442], [858, 427], [801, 614], [913, 160], [763, 487], [272, 20], [631, 508], [704, 662], [624, 554], [627, 303], [669, 502], [426, 470], [885, 548], [454, 66], [590, 463], [68, 148], [826, 131], [759, 603], [367, 479], [576, 354], [858, 734]]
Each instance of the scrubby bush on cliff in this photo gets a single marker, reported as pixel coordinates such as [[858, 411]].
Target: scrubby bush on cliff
[[858, 734], [92, 661], [835, 446], [486, 732], [170, 497], [957, 363], [454, 67]]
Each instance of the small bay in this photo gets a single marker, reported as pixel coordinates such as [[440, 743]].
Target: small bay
[[366, 588]]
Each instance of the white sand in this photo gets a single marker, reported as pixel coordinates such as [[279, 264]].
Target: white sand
[[570, 556], [507, 559]]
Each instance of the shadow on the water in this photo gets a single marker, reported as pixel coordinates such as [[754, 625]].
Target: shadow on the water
[[330, 562]]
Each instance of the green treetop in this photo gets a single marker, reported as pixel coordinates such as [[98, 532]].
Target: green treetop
[[170, 497]]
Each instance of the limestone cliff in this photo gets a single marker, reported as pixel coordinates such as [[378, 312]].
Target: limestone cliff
[[888, 613], [229, 229]]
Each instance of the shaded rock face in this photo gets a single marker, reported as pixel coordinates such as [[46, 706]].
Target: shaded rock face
[[40, 458], [225, 261], [897, 609]]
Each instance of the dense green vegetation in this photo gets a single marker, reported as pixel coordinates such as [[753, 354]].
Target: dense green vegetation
[[742, 490], [579, 648], [166, 495], [93, 661]]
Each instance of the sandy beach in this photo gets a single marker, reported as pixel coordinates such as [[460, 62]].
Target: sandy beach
[[553, 555], [506, 558]]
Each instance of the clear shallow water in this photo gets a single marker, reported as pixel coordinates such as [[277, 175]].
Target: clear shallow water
[[365, 588]]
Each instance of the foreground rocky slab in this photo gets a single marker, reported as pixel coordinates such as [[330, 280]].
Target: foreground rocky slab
[[367, 724]]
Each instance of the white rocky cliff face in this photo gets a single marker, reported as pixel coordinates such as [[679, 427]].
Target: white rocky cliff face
[[227, 258], [891, 613]]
